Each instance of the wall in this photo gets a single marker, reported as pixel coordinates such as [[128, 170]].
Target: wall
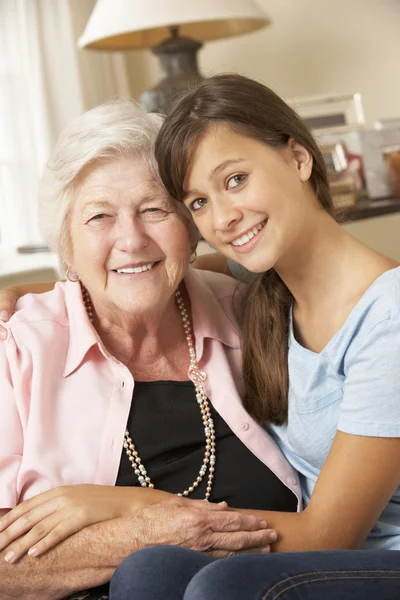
[[381, 234], [312, 47]]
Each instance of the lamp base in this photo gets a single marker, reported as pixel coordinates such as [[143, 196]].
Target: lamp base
[[178, 61]]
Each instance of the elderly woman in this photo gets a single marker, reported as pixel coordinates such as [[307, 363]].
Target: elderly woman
[[120, 388]]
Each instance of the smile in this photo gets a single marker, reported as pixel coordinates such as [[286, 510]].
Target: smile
[[246, 237], [139, 269]]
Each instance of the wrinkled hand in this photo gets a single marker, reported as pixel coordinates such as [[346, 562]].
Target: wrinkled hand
[[42, 522], [202, 526]]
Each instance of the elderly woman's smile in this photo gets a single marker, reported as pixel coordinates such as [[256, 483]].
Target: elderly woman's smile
[[128, 243], [134, 269]]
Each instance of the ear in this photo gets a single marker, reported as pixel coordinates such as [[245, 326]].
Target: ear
[[302, 159]]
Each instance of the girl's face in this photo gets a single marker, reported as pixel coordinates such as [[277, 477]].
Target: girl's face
[[251, 202]]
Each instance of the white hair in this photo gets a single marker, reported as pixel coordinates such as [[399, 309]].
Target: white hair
[[116, 129]]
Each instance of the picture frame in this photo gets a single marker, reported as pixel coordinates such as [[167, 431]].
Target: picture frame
[[376, 146], [335, 157], [343, 153], [325, 111]]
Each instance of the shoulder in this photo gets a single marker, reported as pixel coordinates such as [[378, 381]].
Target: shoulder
[[38, 311], [373, 328], [380, 304]]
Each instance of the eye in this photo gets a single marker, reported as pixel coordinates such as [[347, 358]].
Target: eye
[[235, 181], [98, 217], [197, 204], [153, 212]]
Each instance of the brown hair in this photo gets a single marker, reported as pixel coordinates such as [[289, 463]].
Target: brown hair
[[254, 110]]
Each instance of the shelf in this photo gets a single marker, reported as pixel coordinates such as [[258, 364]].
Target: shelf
[[367, 209]]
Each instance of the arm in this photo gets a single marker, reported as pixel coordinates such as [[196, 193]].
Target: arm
[[10, 295], [89, 557], [86, 559], [218, 263], [48, 518], [54, 575], [362, 469], [357, 481], [213, 261]]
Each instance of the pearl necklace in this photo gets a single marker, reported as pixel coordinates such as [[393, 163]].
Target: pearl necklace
[[209, 430]]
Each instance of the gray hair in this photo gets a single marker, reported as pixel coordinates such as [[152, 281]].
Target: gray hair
[[115, 129]]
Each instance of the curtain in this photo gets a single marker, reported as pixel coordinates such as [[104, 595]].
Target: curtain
[[45, 81]]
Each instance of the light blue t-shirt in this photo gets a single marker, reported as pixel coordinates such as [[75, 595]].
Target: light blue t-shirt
[[352, 385]]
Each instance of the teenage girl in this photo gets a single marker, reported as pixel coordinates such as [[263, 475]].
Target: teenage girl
[[321, 341]]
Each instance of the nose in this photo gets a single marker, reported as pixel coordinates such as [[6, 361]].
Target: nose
[[225, 213], [131, 236]]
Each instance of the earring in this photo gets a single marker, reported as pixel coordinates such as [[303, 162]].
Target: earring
[[70, 278], [193, 256]]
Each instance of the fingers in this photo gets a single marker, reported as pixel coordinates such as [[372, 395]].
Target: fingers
[[239, 541], [235, 521], [208, 506], [22, 519], [26, 507], [8, 298], [45, 535]]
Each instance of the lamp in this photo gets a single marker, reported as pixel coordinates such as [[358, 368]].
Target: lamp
[[173, 29]]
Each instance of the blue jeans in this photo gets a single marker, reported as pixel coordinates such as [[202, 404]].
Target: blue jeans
[[174, 573]]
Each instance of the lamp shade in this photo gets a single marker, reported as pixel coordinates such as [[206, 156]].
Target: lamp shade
[[128, 24]]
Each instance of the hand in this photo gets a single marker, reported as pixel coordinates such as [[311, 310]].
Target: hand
[[10, 295], [49, 518], [8, 299], [202, 526]]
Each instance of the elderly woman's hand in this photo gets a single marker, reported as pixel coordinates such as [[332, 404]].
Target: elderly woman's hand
[[203, 526], [42, 522]]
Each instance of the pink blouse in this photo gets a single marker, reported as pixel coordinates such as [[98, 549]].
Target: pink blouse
[[65, 400]]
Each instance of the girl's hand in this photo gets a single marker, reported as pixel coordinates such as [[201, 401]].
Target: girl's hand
[[10, 295], [42, 522], [8, 299]]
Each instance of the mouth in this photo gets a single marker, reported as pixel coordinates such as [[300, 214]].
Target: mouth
[[249, 235], [135, 269]]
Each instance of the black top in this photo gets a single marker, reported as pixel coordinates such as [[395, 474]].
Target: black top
[[166, 427]]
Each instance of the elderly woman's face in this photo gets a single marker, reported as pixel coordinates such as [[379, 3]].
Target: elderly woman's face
[[129, 247]]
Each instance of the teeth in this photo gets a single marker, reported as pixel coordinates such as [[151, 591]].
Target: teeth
[[248, 236], [136, 269]]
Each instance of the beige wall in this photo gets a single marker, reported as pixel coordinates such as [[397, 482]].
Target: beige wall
[[381, 234], [312, 47]]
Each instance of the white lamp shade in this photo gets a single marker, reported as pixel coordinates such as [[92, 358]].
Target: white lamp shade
[[123, 24]]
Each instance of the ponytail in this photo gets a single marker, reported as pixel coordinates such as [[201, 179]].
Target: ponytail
[[265, 308]]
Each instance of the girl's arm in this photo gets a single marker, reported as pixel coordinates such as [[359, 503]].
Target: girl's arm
[[10, 295], [220, 264], [356, 483], [362, 469], [213, 261]]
